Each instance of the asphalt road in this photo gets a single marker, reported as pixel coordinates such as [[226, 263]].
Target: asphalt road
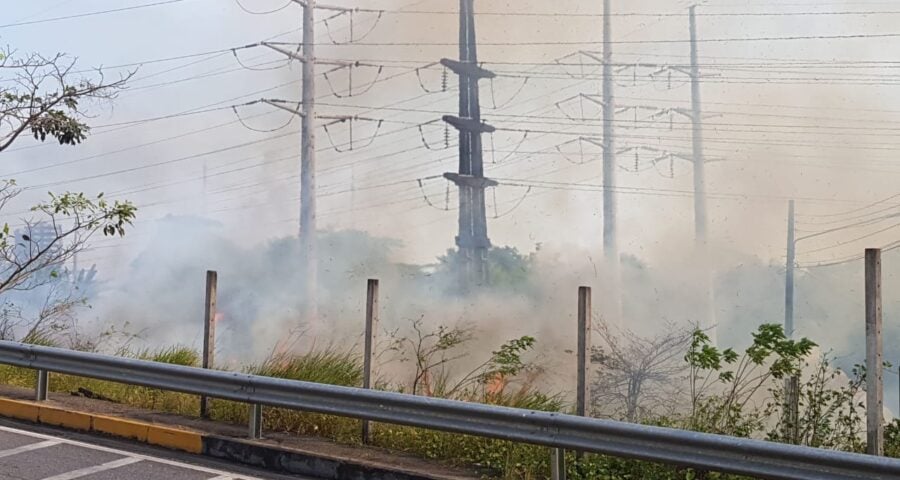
[[39, 454]]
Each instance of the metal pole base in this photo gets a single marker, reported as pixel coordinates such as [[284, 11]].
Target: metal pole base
[[255, 431], [558, 464], [43, 385]]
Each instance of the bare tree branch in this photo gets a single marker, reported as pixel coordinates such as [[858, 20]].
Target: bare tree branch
[[45, 97], [634, 370]]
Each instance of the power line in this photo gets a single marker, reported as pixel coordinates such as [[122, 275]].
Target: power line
[[855, 210], [845, 260], [90, 14], [634, 14], [847, 242], [199, 110], [156, 164], [552, 120], [265, 12], [126, 149], [633, 42]]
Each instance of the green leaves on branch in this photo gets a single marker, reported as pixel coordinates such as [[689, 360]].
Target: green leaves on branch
[[91, 214], [69, 220], [704, 356], [55, 123], [45, 96], [723, 383], [507, 361], [770, 344]]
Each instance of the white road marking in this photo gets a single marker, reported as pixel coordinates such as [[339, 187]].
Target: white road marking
[[81, 472], [56, 440], [28, 448]]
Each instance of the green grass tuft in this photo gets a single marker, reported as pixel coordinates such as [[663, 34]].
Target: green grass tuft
[[177, 355], [330, 366]]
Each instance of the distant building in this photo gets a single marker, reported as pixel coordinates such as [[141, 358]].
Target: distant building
[[33, 239]]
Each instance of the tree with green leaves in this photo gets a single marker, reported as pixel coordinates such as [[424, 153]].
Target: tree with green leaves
[[44, 97], [723, 383]]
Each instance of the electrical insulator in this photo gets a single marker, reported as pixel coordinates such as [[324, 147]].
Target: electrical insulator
[[671, 122], [671, 167], [446, 136], [637, 161], [444, 80], [634, 76], [670, 79]]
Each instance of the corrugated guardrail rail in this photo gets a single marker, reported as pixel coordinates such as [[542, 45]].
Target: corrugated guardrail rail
[[749, 457]]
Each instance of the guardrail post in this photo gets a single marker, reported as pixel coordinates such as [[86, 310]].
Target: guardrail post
[[371, 322], [558, 464], [209, 332], [874, 383], [256, 421], [42, 387]]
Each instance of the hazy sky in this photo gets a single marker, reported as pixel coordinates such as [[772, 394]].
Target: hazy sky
[[799, 99], [786, 118]]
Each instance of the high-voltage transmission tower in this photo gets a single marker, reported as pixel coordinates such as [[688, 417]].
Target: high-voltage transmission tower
[[472, 240]]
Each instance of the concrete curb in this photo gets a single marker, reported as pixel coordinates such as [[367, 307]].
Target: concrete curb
[[173, 438], [257, 454], [297, 462]]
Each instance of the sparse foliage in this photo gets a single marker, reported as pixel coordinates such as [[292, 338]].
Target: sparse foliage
[[69, 221], [43, 95], [635, 374], [508, 269], [831, 415], [723, 383], [433, 352]]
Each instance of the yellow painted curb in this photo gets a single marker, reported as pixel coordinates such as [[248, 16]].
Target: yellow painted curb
[[63, 418], [19, 410], [120, 427], [174, 438], [191, 442]]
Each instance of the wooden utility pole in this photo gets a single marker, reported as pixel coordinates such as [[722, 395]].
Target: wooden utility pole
[[209, 332], [874, 379], [789, 274], [368, 355], [792, 397], [472, 241], [583, 377], [583, 396]]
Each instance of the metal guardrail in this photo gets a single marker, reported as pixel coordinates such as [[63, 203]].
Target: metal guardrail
[[742, 456]]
